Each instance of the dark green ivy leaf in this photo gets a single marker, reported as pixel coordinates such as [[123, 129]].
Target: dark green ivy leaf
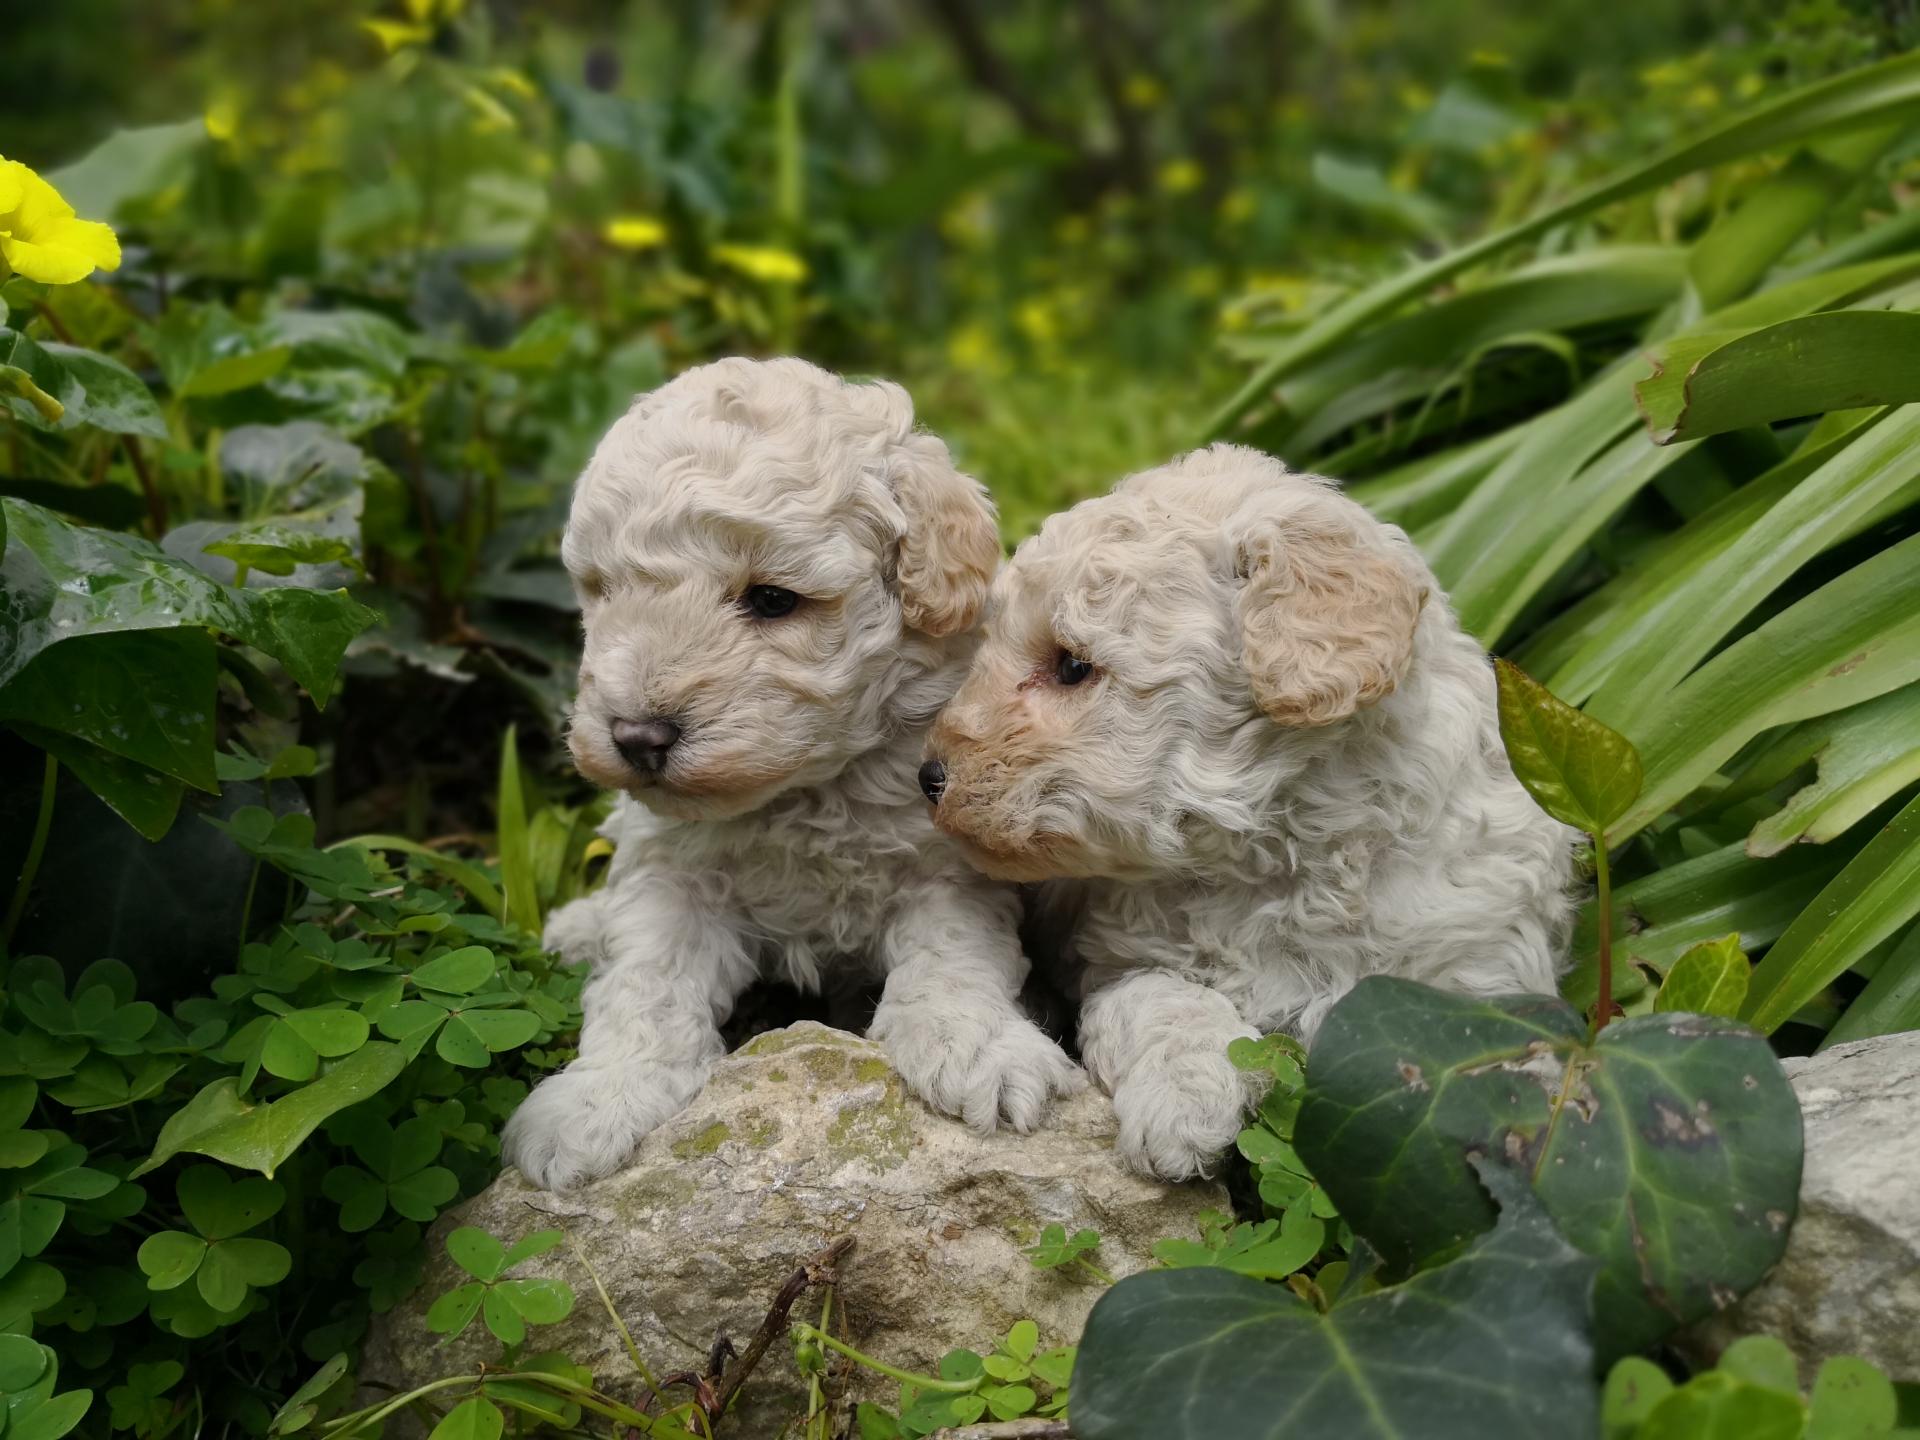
[[1669, 1149], [1492, 1343]]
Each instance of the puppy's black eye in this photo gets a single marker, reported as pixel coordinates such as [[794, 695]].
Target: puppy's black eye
[[770, 602], [1070, 669]]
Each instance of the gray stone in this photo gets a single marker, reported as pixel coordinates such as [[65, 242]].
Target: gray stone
[[1849, 1283], [803, 1135]]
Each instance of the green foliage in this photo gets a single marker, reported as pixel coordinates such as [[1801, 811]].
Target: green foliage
[[1493, 1341], [1754, 1390], [1668, 1147], [1016, 1380], [359, 1142]]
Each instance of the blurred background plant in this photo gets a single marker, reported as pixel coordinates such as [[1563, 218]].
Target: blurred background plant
[[388, 268]]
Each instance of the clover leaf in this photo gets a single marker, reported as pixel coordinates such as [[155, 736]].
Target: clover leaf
[[399, 1173], [291, 1043], [143, 1403], [18, 1145], [224, 1265], [508, 1306], [102, 1011], [35, 1206], [29, 1408]]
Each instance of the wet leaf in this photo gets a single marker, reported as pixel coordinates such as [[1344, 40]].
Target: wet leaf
[[1494, 1342], [1669, 1149]]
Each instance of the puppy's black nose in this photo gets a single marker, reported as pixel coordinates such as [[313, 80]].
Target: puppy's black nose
[[645, 743], [933, 780]]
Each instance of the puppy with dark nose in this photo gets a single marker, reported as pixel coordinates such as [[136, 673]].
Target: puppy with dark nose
[[780, 579], [1231, 709]]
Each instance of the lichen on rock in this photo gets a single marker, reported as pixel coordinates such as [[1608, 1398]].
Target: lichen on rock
[[804, 1134]]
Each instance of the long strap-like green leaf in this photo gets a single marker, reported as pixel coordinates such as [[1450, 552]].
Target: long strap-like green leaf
[[1872, 96]]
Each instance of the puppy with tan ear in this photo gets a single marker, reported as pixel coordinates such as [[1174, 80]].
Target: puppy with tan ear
[[780, 579], [1232, 711]]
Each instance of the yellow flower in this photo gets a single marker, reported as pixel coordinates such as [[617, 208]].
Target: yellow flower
[[394, 35], [223, 118], [763, 262], [634, 232], [39, 236], [1143, 92], [1177, 177], [1237, 206]]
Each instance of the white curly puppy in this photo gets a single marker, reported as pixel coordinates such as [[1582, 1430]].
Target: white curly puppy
[[1233, 707], [780, 579]]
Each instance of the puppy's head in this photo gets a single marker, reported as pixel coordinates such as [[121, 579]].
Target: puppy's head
[[770, 562], [1150, 653]]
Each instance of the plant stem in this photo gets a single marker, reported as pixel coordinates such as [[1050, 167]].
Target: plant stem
[[246, 908], [42, 823], [925, 1382], [1094, 1270], [1603, 1006]]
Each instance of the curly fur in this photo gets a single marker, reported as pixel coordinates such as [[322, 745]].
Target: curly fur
[[1284, 773], [785, 833]]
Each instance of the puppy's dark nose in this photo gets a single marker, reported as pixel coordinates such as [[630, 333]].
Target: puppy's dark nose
[[645, 743], [933, 780]]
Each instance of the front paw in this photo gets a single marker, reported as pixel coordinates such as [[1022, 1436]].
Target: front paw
[[1004, 1069], [587, 1120], [577, 930], [1177, 1118]]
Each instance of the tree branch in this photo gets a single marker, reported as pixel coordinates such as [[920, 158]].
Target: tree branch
[[1034, 1427], [817, 1271]]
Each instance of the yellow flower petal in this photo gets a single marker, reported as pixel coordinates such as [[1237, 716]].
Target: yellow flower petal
[[39, 236], [393, 35], [763, 262], [13, 188], [634, 232]]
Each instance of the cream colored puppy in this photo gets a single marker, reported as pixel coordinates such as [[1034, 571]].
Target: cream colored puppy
[[780, 578], [1233, 709]]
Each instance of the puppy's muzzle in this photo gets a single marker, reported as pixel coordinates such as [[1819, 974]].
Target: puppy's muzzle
[[933, 780], [644, 744]]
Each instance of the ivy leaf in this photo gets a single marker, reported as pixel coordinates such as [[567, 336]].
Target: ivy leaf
[[1577, 770], [1669, 1148], [1709, 979], [1494, 1342]]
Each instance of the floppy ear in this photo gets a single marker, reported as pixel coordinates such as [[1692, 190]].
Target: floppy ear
[[951, 547], [1328, 608]]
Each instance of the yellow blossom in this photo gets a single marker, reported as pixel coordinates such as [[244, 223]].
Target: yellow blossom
[[1143, 92], [425, 12], [1177, 177], [222, 118], [763, 262], [634, 232], [1237, 206], [508, 78], [393, 35], [1038, 321], [39, 236]]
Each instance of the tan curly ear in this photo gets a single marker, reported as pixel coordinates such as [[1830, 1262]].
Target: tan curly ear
[[1328, 611], [951, 547]]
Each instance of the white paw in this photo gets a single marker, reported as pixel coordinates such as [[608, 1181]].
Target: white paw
[[1000, 1068], [1177, 1118], [587, 1120], [577, 930]]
